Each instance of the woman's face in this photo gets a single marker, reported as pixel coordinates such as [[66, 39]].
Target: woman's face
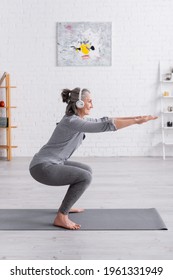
[[87, 105]]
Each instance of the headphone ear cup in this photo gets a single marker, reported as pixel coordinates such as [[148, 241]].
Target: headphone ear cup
[[79, 104]]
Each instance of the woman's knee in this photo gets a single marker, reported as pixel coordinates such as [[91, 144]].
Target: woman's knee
[[89, 169], [87, 178]]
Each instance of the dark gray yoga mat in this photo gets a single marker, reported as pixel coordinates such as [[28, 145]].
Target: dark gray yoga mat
[[90, 219]]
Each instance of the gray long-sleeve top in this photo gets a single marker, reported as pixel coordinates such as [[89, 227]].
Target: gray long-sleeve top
[[68, 136]]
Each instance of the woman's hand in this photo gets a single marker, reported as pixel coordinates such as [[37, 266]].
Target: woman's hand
[[143, 119]]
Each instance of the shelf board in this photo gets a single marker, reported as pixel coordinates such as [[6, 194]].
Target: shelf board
[[168, 144], [167, 97], [12, 126], [6, 147], [12, 107], [167, 127], [8, 87], [166, 112], [166, 81]]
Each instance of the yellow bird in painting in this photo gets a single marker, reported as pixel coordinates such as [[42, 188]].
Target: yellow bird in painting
[[84, 48]]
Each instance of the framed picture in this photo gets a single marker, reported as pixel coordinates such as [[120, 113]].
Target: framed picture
[[84, 43]]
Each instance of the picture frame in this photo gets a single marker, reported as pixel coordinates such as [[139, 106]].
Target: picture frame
[[84, 43]]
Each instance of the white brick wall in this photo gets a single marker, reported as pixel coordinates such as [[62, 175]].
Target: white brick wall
[[142, 35]]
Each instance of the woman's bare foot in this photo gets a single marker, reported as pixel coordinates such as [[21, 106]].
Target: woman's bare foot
[[62, 220], [76, 210]]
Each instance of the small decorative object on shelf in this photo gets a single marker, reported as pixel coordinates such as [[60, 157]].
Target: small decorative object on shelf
[[3, 78], [166, 93], [5, 114], [169, 124], [2, 103], [170, 108], [3, 122], [168, 76]]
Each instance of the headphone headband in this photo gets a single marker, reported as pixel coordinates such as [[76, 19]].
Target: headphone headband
[[80, 94], [80, 103]]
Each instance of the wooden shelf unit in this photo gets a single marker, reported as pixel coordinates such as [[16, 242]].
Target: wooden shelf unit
[[8, 147]]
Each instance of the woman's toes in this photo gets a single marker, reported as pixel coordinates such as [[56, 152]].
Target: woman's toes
[[78, 226]]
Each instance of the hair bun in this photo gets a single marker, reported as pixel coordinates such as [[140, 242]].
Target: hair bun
[[65, 95]]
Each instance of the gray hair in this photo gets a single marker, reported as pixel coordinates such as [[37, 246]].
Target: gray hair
[[71, 97]]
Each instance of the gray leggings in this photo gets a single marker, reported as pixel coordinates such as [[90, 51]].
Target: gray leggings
[[77, 175]]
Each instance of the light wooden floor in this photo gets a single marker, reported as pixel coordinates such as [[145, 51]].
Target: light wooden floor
[[117, 183]]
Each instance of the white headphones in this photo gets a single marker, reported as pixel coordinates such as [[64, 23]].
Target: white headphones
[[80, 103]]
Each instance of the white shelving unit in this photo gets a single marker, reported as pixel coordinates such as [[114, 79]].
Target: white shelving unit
[[166, 90]]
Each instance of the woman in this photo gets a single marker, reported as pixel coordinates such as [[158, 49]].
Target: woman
[[50, 166]]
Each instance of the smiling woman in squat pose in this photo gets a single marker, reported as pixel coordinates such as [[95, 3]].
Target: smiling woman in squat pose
[[51, 165]]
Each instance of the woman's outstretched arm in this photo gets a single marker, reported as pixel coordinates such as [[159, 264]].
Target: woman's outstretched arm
[[127, 121], [127, 118]]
